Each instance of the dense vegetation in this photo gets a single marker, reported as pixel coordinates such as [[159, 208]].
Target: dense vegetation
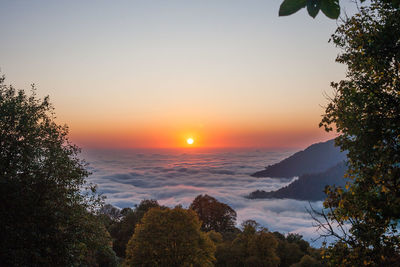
[[173, 237], [47, 211], [365, 111], [213, 214], [169, 237], [148, 233]]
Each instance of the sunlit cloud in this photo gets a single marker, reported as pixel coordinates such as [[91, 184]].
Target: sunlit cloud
[[177, 177]]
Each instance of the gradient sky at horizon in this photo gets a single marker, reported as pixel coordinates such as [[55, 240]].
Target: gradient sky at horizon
[[152, 73]]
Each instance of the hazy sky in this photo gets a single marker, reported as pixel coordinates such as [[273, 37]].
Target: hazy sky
[[153, 73]]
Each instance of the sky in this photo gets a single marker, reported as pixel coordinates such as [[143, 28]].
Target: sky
[[125, 74]]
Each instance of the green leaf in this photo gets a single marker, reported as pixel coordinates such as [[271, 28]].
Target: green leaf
[[313, 7], [331, 8], [288, 7]]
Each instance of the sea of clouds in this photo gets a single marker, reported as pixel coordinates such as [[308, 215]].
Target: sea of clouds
[[176, 177]]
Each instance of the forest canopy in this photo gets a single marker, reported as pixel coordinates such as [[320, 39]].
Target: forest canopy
[[46, 207]]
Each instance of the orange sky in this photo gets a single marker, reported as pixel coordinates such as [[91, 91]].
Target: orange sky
[[154, 73], [292, 135]]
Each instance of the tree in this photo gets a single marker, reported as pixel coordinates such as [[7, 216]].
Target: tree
[[121, 231], [263, 248], [213, 214], [330, 8], [365, 112], [307, 261], [254, 246], [169, 237], [292, 248], [298, 239], [289, 253], [45, 204], [113, 213], [95, 245]]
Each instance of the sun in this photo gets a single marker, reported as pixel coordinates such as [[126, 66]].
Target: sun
[[190, 141]]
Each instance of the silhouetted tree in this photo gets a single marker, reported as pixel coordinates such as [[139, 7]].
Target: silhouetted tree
[[307, 261], [45, 204], [121, 231], [110, 211], [254, 246], [298, 239], [213, 214], [288, 253], [365, 112]]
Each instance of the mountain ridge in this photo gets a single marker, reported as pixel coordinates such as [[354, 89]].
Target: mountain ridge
[[308, 187], [314, 159]]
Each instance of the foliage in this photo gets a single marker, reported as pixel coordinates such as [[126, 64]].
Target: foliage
[[169, 237], [292, 249], [216, 237], [330, 8], [96, 245], [307, 261], [162, 229], [289, 253], [252, 247], [213, 214], [45, 203], [113, 213], [122, 230], [365, 111]]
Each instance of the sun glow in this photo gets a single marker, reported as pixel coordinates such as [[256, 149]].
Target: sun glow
[[190, 141]]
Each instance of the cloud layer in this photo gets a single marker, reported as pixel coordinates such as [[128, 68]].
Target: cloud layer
[[173, 177]]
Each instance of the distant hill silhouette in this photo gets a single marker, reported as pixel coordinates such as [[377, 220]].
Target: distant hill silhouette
[[314, 159], [308, 186]]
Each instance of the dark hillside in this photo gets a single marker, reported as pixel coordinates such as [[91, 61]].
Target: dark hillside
[[314, 159], [309, 186]]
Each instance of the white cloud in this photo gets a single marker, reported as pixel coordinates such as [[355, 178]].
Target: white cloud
[[174, 178]]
